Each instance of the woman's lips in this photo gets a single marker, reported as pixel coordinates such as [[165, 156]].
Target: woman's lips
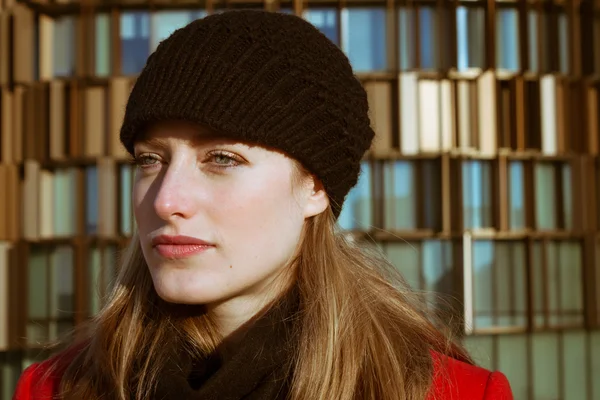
[[179, 246]]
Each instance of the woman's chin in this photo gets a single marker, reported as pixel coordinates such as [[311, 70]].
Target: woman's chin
[[187, 293]]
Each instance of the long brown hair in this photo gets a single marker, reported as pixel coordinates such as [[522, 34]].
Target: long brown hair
[[362, 334]]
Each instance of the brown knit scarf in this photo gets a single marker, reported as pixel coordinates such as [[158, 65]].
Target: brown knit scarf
[[258, 369]]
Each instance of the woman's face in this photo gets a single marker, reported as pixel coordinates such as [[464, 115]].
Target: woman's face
[[217, 219]]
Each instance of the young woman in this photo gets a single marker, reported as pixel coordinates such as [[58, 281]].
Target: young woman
[[248, 129]]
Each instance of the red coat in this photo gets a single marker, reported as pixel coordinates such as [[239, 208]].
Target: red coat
[[454, 380]]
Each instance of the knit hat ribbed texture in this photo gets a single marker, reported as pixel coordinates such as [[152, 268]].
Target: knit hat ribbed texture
[[266, 78]]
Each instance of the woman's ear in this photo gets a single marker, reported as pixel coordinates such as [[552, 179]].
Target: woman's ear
[[317, 200]]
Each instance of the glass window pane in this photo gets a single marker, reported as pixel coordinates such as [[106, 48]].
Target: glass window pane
[[5, 281], [538, 283], [38, 278], [64, 46], [544, 23], [502, 278], [109, 269], [94, 271], [62, 289], [357, 209], [135, 41], [563, 42], [483, 269], [595, 355], [60, 330], [509, 284], [438, 277], [164, 23], [325, 19], [400, 200], [552, 281], [127, 173], [571, 282], [545, 196], [519, 281], [92, 200], [406, 38], [103, 50], [65, 198], [533, 41], [406, 258], [438, 266], [545, 366], [429, 37], [481, 349], [516, 200], [37, 333], [431, 196], [575, 368], [470, 31], [597, 281], [507, 39], [477, 194], [567, 193], [364, 38], [512, 361], [10, 371]]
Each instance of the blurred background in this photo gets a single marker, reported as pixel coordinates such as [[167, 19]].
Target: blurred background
[[482, 185]]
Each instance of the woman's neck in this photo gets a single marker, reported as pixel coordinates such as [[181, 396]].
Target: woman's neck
[[233, 314]]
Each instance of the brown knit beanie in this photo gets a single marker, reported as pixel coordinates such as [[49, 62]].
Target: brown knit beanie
[[265, 78]]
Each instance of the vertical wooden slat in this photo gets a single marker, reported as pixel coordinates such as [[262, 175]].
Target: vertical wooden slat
[[456, 197], [392, 43], [451, 6], [520, 110], [440, 37], [586, 35], [115, 42], [377, 190], [298, 7], [446, 182], [574, 36]]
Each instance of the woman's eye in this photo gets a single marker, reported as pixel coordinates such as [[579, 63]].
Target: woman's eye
[[224, 160], [146, 160]]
